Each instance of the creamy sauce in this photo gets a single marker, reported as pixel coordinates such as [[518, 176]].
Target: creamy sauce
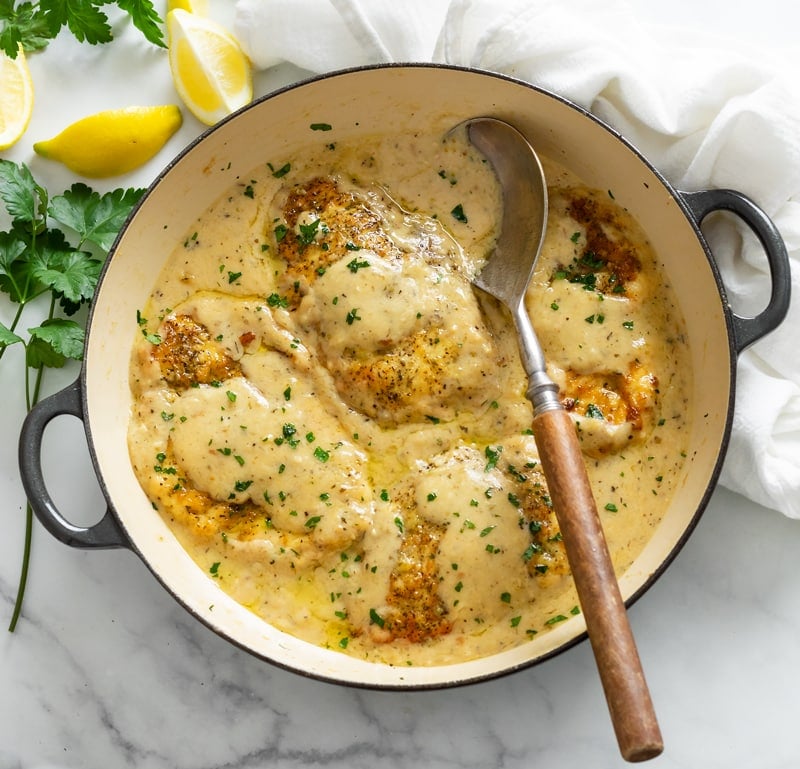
[[333, 422]]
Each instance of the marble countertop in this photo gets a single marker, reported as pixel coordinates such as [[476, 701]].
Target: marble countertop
[[106, 670]]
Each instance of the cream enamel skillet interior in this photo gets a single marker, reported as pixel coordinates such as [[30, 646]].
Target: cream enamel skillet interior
[[351, 109]]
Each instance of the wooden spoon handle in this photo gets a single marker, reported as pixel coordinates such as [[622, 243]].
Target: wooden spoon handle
[[615, 652]]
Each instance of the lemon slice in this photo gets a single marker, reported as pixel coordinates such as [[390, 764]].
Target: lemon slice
[[16, 98], [210, 71], [112, 142]]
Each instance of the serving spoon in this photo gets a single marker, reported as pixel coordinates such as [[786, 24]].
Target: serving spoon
[[506, 276]]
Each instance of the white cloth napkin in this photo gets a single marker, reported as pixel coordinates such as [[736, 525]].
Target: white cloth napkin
[[708, 116]]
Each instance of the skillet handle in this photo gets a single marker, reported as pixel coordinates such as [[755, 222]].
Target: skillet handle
[[107, 532], [748, 330]]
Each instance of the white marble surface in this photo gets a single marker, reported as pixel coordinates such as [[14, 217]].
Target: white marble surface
[[107, 670]]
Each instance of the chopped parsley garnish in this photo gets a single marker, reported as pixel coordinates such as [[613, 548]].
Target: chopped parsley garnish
[[276, 300], [308, 232], [354, 265], [594, 412], [492, 456], [458, 214], [279, 172], [288, 432], [376, 619]]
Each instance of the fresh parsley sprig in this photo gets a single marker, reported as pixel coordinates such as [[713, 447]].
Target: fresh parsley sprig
[[35, 24], [37, 259]]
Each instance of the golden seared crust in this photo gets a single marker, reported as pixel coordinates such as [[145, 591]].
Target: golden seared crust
[[608, 261], [545, 556], [387, 387], [188, 355], [206, 517], [417, 612], [615, 397], [199, 513], [322, 223]]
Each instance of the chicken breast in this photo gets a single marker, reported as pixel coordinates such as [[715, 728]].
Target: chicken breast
[[394, 318]]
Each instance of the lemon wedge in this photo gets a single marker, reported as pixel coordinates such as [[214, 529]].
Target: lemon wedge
[[16, 98], [192, 6], [209, 69], [112, 142]]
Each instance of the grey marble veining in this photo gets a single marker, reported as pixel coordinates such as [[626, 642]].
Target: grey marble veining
[[108, 670]]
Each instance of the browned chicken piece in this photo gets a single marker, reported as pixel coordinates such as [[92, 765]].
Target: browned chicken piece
[[188, 355], [608, 262], [417, 611], [322, 223], [419, 372], [412, 380], [203, 515], [206, 519], [613, 397], [545, 556], [209, 518]]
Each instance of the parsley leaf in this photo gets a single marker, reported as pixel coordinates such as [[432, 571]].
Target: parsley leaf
[[82, 17], [95, 218], [71, 274], [23, 197], [37, 258], [34, 24], [8, 337], [54, 342], [24, 25], [145, 19]]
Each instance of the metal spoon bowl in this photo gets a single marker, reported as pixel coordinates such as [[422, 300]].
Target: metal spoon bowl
[[506, 277]]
